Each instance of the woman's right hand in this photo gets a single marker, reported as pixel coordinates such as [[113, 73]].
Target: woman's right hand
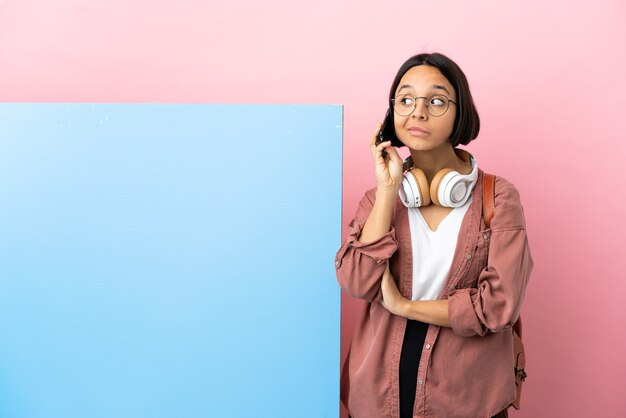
[[388, 170]]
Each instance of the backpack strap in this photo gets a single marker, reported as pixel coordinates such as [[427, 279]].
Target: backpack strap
[[489, 198]]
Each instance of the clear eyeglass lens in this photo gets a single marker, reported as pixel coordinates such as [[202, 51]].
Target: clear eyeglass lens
[[404, 105], [436, 105]]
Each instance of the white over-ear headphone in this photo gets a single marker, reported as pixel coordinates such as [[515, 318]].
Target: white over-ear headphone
[[449, 188]]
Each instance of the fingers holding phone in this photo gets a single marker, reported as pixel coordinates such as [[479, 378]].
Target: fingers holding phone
[[387, 161], [378, 145], [379, 139]]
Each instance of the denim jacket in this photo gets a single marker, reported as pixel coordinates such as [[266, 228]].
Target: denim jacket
[[465, 371]]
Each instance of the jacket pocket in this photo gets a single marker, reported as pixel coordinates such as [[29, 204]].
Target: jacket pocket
[[479, 260]]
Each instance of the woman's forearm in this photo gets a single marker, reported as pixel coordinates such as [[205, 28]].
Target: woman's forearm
[[429, 311]]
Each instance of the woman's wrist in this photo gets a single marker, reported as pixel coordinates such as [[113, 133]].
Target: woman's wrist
[[404, 308], [401, 307], [386, 193]]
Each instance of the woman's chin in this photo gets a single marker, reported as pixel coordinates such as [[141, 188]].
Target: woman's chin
[[422, 145]]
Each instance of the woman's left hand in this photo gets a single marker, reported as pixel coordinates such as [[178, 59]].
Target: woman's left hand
[[393, 300]]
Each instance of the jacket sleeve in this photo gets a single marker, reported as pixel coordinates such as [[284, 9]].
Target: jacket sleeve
[[496, 301], [360, 266]]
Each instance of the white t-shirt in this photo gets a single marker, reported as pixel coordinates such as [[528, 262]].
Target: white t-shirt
[[433, 251]]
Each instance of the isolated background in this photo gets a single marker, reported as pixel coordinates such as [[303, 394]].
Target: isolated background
[[547, 77]]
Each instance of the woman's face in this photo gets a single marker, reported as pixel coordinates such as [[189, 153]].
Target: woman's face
[[419, 130]]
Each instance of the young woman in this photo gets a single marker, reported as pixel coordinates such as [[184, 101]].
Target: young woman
[[443, 291]]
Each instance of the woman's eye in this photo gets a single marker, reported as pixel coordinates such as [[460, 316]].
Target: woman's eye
[[437, 101], [406, 101]]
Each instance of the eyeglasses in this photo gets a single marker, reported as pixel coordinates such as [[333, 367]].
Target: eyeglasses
[[436, 105]]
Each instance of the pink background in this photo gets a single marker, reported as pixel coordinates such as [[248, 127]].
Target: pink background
[[547, 77]]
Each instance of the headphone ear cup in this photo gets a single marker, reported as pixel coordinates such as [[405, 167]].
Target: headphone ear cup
[[434, 186], [414, 190], [422, 183]]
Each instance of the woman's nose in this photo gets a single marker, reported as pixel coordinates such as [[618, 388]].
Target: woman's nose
[[420, 111]]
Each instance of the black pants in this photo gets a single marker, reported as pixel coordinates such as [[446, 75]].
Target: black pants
[[412, 346]]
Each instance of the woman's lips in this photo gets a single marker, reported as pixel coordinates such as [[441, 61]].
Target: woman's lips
[[417, 131]]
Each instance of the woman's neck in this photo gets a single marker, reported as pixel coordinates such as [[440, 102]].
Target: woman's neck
[[431, 161]]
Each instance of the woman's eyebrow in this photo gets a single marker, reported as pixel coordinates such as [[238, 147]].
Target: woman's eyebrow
[[437, 86], [434, 86]]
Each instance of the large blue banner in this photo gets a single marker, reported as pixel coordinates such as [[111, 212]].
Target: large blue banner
[[169, 260]]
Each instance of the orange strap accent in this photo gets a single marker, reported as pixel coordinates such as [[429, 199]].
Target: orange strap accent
[[488, 197], [517, 327]]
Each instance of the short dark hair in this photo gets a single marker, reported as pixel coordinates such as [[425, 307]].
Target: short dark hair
[[467, 122]]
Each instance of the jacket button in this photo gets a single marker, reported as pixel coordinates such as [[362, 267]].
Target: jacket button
[[428, 346], [469, 256], [486, 236], [421, 382]]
